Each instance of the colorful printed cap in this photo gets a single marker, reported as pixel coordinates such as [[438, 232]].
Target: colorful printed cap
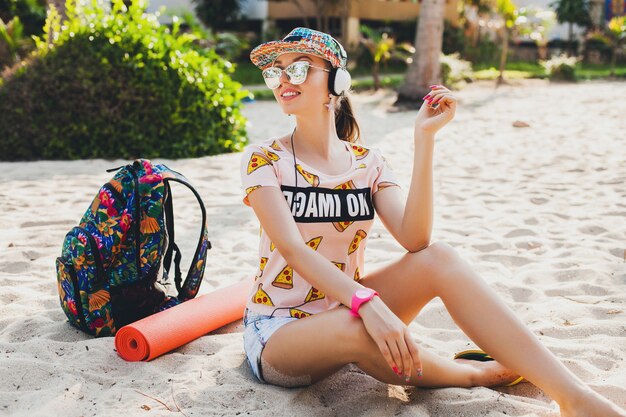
[[303, 40]]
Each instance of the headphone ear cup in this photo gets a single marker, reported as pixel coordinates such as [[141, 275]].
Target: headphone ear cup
[[339, 81]]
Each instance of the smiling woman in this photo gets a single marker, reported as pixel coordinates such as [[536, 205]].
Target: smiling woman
[[309, 311]]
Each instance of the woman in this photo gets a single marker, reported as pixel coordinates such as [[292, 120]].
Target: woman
[[310, 312]]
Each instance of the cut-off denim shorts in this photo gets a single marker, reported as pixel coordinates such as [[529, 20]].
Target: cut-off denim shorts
[[258, 329]]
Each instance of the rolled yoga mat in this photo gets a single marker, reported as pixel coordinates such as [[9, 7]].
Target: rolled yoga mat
[[166, 330]]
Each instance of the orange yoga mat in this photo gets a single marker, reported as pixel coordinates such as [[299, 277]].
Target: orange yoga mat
[[166, 330]]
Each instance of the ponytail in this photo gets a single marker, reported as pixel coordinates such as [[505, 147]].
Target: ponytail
[[345, 122]]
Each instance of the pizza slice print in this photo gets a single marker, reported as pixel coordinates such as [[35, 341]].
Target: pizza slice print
[[262, 265], [315, 242], [284, 279], [359, 151], [356, 241], [341, 226], [357, 275], [271, 155], [257, 160], [340, 265], [349, 185], [312, 179], [275, 146], [297, 313], [314, 294], [261, 297], [272, 246]]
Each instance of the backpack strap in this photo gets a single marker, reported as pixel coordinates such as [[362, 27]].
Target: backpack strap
[[190, 287], [169, 225]]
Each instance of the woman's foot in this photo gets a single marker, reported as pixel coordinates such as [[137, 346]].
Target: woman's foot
[[590, 404], [491, 373]]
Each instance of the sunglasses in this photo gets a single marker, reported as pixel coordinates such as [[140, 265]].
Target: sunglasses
[[297, 73]]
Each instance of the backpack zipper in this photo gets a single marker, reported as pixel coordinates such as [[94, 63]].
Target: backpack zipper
[[137, 220]]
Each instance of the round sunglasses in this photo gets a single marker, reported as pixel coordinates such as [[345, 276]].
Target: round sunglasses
[[296, 71]]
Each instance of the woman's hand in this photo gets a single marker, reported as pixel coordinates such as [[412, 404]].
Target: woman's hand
[[430, 119], [392, 337]]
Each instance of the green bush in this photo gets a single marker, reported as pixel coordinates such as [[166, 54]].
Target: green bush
[[454, 69], [118, 85], [561, 68]]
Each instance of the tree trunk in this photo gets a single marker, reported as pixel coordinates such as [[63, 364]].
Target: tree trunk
[[505, 51], [375, 74], [59, 5], [571, 43], [425, 68]]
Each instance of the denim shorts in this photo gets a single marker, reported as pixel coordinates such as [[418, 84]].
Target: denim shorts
[[258, 329]]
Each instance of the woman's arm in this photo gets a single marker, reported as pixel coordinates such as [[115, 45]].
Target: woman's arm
[[411, 222], [271, 209], [385, 328]]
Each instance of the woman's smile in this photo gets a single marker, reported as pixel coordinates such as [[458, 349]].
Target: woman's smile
[[289, 94]]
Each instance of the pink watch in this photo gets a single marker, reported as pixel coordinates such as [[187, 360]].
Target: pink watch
[[359, 297]]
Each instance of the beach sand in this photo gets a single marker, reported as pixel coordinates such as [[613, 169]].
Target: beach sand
[[539, 212]]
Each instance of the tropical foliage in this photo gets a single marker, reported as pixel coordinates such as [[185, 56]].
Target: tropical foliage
[[117, 84]]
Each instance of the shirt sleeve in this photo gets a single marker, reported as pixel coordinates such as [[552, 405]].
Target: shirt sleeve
[[257, 170], [386, 176]]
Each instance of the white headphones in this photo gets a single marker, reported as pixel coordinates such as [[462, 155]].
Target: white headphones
[[339, 79]]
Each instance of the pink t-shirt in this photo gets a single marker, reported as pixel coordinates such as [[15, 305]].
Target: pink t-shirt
[[334, 214]]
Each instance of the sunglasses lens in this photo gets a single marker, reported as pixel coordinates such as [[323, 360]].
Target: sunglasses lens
[[297, 72], [272, 77]]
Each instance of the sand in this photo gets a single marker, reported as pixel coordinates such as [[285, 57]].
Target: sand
[[538, 211]]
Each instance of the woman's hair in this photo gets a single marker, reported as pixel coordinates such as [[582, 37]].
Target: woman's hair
[[345, 122]]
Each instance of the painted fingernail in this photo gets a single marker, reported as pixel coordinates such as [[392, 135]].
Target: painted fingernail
[[419, 372], [432, 86], [394, 369], [426, 96], [407, 378]]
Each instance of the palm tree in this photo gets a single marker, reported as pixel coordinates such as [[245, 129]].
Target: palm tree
[[424, 69], [572, 12], [383, 48], [506, 10], [617, 36]]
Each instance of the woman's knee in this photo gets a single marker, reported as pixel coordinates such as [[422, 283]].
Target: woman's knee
[[435, 262]]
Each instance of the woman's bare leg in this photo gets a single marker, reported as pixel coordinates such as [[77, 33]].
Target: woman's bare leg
[[317, 346], [322, 344], [483, 316]]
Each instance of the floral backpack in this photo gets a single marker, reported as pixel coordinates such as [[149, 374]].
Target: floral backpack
[[110, 264]]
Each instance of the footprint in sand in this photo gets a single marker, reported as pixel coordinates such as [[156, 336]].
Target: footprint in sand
[[531, 221], [489, 247], [592, 229], [520, 232], [538, 200]]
